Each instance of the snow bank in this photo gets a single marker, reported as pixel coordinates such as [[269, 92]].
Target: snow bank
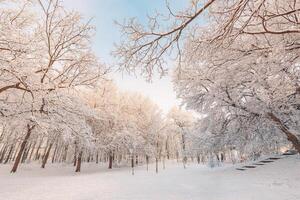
[[279, 180]]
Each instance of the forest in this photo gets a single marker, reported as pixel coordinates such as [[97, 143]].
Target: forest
[[59, 105], [69, 131], [234, 65]]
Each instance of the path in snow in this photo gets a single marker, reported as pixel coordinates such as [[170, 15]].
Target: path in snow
[[258, 163], [279, 180]]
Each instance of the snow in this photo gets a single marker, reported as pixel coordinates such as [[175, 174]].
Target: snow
[[279, 180]]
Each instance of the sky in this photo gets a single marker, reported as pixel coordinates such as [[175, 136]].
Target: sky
[[104, 14]]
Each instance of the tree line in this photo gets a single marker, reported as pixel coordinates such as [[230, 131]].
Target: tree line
[[239, 71]]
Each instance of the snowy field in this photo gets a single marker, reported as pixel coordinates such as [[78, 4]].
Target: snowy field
[[279, 180]]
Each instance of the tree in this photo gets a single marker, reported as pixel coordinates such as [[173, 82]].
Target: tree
[[44, 60], [182, 122], [240, 67]]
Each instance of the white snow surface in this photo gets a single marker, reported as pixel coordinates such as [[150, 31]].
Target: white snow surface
[[279, 180]]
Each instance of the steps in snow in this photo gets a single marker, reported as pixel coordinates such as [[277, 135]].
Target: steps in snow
[[274, 158], [240, 169], [266, 161], [249, 166], [288, 154], [260, 163]]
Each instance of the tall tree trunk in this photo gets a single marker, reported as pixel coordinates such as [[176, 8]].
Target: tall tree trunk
[[75, 155], [132, 164], [46, 156], [89, 157], [147, 161], [184, 159], [16, 152], [54, 153], [18, 158], [222, 157], [9, 154], [110, 161], [97, 157], [26, 151], [136, 160], [164, 163], [167, 149], [156, 157], [156, 164], [290, 136], [217, 156], [65, 153], [45, 149], [3, 153], [37, 150], [78, 166], [31, 153]]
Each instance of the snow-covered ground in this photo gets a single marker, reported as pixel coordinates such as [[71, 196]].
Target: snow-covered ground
[[279, 180]]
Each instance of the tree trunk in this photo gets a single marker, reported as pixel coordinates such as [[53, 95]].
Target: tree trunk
[[290, 136], [75, 153], [78, 167], [38, 149], [136, 160], [217, 156], [16, 152], [54, 153], [18, 158], [132, 164], [75, 160], [222, 157], [26, 151], [3, 154], [156, 164], [97, 158], [9, 154], [110, 161], [184, 160], [31, 153], [167, 149], [147, 161], [46, 155], [65, 153]]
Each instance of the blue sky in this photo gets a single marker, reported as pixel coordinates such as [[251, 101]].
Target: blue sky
[[104, 13]]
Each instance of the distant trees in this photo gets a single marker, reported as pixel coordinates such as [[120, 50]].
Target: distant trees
[[130, 126], [238, 65], [182, 123]]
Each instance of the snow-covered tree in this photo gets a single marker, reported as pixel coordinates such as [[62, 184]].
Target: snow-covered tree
[[182, 122], [128, 124], [238, 63], [45, 55]]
